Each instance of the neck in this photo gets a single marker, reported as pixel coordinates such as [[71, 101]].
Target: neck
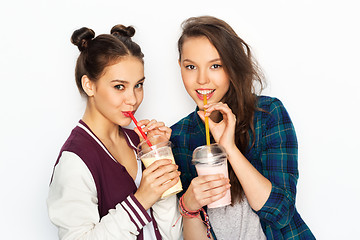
[[101, 126]]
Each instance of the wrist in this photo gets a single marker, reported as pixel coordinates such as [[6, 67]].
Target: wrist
[[185, 211], [142, 201], [234, 154], [231, 149], [188, 205]]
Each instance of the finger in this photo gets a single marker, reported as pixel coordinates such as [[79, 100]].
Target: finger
[[162, 170], [222, 107], [165, 129], [214, 198], [166, 180], [167, 177], [139, 134], [202, 116], [143, 122], [216, 184], [150, 125], [168, 184], [157, 164], [203, 198], [210, 177], [213, 184], [154, 124]]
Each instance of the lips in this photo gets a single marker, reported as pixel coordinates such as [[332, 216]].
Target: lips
[[201, 92], [127, 113]]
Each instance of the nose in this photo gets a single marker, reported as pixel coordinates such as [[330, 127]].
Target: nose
[[130, 98], [202, 77]]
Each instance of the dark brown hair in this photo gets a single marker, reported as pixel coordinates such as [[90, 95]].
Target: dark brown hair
[[102, 51], [242, 71]]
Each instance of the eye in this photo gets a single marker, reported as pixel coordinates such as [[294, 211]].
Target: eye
[[190, 67], [139, 85], [215, 66], [119, 87]]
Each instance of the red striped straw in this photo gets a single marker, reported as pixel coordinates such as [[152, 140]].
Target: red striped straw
[[141, 131]]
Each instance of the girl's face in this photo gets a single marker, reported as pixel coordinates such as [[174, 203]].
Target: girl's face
[[202, 71], [119, 90]]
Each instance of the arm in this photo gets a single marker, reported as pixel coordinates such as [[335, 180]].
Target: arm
[[280, 166], [256, 187], [202, 191], [194, 229], [72, 206], [272, 192], [166, 214], [165, 211]]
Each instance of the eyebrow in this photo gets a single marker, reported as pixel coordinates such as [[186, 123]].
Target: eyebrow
[[213, 60], [124, 81]]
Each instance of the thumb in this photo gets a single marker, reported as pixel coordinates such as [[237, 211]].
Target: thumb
[[139, 134], [201, 115]]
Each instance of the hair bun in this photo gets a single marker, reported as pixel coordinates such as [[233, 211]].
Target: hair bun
[[123, 31], [81, 37]]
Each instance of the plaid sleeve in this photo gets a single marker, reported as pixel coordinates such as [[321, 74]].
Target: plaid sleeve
[[279, 160], [182, 153]]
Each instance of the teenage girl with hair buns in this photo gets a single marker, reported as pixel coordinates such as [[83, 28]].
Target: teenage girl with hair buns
[[98, 189], [256, 132]]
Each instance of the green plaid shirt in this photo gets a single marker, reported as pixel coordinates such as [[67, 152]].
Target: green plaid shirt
[[274, 155]]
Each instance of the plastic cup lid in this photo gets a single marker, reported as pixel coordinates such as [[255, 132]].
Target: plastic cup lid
[[213, 153]]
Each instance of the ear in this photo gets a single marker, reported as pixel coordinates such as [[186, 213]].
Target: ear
[[179, 63], [87, 85]]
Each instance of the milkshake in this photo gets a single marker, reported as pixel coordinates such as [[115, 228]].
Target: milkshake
[[160, 149], [212, 159]]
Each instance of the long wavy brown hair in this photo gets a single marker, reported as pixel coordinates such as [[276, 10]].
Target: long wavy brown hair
[[243, 72]]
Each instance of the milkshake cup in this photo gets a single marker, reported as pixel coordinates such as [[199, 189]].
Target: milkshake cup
[[212, 159], [160, 149]]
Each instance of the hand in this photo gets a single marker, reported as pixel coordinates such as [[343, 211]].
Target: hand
[[204, 190], [156, 179], [153, 128], [223, 131]]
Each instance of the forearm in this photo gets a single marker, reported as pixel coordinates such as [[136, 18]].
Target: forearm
[[73, 193], [168, 218], [194, 229], [257, 188]]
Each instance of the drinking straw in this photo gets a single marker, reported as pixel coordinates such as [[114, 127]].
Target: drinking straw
[[141, 131], [206, 123]]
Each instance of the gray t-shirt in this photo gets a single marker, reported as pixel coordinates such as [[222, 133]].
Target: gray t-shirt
[[238, 222]]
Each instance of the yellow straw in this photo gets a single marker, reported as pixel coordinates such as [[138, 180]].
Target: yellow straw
[[206, 123]]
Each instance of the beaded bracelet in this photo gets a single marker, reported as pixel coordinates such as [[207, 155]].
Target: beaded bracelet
[[194, 214]]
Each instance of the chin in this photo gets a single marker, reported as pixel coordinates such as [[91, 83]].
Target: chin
[[124, 122]]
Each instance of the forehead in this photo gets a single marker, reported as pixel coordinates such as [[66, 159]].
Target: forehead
[[128, 68], [196, 48]]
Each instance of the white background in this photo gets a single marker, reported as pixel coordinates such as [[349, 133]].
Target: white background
[[309, 51]]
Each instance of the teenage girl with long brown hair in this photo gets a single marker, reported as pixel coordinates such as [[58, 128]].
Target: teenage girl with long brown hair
[[256, 132]]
